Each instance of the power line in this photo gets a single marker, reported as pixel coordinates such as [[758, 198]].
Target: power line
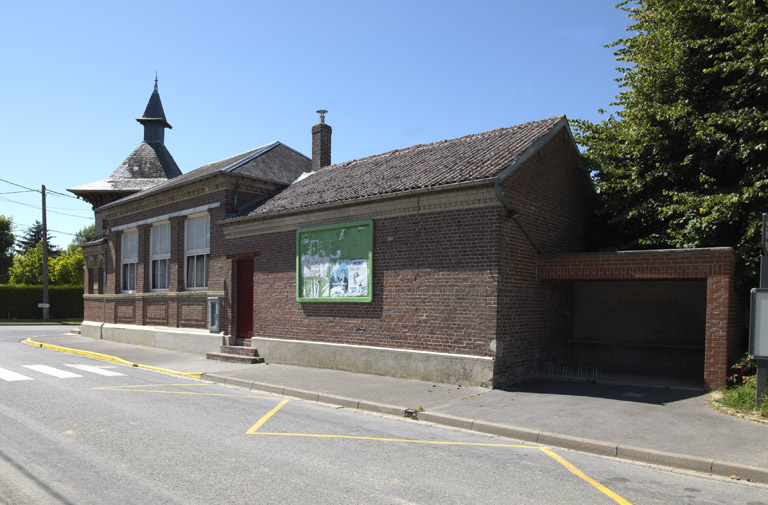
[[63, 208], [63, 232], [20, 186], [28, 226], [62, 194], [40, 208], [39, 190]]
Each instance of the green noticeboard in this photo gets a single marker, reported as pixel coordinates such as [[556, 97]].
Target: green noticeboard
[[334, 263]]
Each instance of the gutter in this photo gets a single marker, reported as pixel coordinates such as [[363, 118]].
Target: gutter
[[512, 167], [515, 214]]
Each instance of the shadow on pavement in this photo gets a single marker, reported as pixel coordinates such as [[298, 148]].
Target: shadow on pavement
[[619, 392]]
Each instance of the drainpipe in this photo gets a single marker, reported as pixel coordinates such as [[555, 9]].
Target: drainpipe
[[234, 193], [515, 214], [103, 295]]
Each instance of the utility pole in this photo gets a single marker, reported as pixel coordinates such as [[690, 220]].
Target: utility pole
[[45, 261]]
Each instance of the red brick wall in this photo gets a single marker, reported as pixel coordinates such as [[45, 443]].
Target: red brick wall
[[724, 319], [434, 286], [535, 318], [187, 310]]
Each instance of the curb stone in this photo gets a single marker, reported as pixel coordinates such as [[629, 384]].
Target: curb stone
[[578, 444]]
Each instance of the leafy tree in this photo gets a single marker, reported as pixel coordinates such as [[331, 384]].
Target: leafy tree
[[684, 160], [67, 268], [28, 268], [32, 238], [6, 247], [85, 235]]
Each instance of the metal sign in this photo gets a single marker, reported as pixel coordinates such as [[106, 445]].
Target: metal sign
[[758, 325], [43, 305]]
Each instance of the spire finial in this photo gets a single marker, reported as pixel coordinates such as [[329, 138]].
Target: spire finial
[[155, 80]]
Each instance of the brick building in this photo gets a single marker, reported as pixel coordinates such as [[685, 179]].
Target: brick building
[[456, 261]]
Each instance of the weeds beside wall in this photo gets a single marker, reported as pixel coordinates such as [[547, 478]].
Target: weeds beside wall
[[20, 302]]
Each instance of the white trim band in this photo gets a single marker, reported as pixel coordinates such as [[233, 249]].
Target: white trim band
[[166, 217]]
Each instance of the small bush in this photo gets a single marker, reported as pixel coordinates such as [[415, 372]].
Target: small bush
[[741, 387], [740, 370]]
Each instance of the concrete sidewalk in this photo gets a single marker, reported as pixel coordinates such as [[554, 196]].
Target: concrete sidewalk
[[666, 426]]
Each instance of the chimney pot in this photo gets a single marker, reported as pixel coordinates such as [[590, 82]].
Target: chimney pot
[[321, 143]]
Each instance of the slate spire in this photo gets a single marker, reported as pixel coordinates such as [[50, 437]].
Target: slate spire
[[153, 120]]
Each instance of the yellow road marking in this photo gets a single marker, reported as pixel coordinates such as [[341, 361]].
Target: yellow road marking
[[266, 417], [134, 388], [254, 431], [575, 471], [157, 385], [183, 393], [106, 357], [408, 440]]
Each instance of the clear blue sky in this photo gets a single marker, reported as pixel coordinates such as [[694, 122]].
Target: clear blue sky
[[234, 75]]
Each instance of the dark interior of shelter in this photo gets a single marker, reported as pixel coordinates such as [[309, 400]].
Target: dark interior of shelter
[[654, 327]]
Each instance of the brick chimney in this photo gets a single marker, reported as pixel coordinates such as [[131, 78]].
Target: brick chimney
[[321, 143]]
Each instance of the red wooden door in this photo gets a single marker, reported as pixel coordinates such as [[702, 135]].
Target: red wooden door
[[245, 298]]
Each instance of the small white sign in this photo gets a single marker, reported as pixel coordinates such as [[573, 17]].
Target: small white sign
[[43, 305], [758, 328]]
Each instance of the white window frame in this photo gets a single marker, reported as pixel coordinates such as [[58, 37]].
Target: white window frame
[[197, 249], [129, 260], [159, 259]]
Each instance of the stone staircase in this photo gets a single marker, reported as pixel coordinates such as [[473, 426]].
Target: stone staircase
[[240, 353]]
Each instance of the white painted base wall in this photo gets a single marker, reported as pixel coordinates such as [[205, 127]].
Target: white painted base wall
[[420, 365], [408, 364], [177, 339]]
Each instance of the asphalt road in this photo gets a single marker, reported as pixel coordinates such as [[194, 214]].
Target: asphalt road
[[100, 433]]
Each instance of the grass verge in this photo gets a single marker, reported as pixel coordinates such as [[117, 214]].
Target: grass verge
[[740, 401]]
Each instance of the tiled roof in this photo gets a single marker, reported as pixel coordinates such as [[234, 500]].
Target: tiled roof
[[148, 165], [275, 163], [148, 161], [470, 158]]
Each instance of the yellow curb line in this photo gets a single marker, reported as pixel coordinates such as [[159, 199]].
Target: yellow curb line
[[106, 357]]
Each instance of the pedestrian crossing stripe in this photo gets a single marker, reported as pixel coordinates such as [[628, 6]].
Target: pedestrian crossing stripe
[[49, 370], [11, 376], [97, 370]]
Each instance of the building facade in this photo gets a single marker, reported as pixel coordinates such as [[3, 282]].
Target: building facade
[[457, 261]]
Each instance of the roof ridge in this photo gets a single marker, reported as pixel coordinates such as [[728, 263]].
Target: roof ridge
[[554, 119], [252, 151], [256, 153]]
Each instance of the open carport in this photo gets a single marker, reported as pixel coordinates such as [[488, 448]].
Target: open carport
[[662, 312], [651, 327]]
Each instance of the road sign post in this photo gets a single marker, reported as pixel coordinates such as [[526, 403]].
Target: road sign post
[[758, 332]]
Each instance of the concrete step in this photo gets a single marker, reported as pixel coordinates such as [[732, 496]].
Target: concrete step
[[234, 358], [239, 350]]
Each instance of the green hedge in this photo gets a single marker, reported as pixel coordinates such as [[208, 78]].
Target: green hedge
[[20, 302]]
